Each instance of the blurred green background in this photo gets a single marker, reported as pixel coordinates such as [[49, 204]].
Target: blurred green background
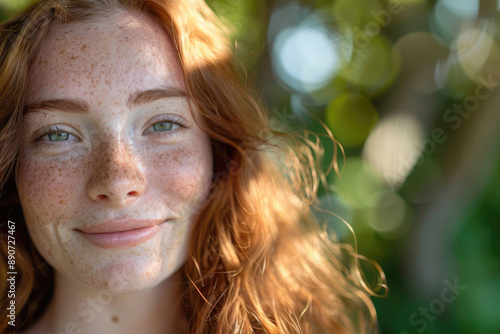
[[410, 90]]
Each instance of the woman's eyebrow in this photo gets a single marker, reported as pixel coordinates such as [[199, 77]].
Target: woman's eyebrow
[[81, 106], [69, 105], [151, 95]]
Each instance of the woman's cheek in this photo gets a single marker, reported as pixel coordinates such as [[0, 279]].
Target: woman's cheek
[[183, 173], [46, 187]]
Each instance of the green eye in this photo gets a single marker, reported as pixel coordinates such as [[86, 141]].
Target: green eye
[[58, 136], [163, 126]]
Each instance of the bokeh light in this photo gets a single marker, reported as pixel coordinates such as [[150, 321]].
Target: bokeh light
[[476, 49], [306, 58], [389, 213], [359, 186], [374, 65], [449, 15], [351, 117], [394, 147]]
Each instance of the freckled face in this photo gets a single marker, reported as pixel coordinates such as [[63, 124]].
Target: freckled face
[[129, 159]]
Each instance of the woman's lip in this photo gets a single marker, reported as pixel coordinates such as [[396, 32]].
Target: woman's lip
[[119, 225], [121, 239]]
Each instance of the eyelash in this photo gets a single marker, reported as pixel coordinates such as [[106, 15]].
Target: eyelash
[[47, 130], [50, 129], [176, 120]]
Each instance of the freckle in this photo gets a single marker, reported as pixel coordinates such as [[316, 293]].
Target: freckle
[[84, 46], [115, 319]]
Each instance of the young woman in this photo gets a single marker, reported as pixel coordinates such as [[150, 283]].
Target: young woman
[[146, 191]]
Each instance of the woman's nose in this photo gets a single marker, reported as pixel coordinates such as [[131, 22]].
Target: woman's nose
[[115, 175]]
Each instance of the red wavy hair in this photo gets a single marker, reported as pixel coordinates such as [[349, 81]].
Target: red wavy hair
[[259, 261]]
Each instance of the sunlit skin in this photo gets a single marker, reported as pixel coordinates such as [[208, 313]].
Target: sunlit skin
[[126, 157]]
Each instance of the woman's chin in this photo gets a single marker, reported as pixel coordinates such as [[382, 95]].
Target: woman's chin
[[124, 277]]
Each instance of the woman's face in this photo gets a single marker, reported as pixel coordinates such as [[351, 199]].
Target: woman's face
[[113, 167]]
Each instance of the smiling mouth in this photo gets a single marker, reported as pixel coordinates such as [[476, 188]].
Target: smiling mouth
[[120, 234], [120, 225], [121, 239]]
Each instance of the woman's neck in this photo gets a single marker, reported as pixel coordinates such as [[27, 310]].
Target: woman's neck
[[75, 308]]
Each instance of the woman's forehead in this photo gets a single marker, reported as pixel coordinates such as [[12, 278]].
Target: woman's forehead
[[124, 53]]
